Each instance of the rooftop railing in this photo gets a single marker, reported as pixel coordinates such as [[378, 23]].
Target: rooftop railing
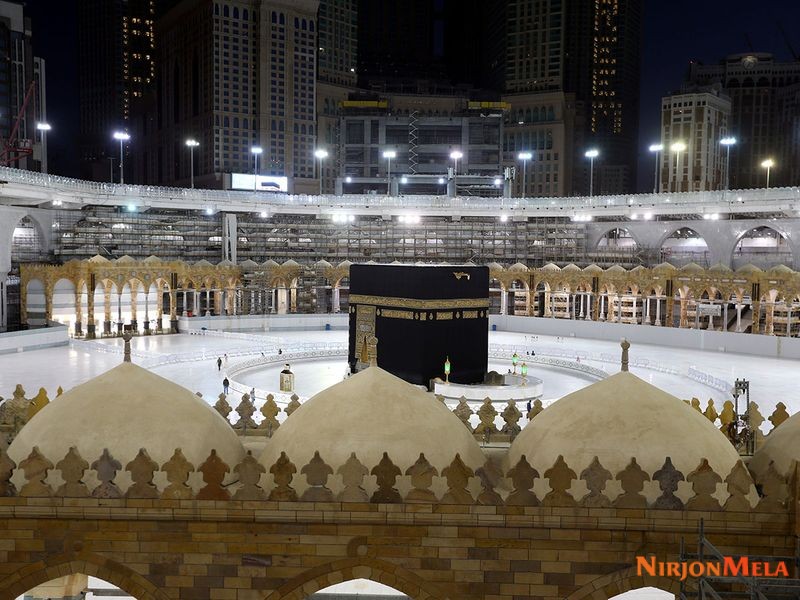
[[737, 200]]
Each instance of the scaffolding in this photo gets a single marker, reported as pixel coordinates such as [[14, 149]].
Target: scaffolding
[[739, 587]]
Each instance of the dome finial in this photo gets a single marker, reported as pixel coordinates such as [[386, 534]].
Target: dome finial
[[373, 351], [625, 345], [127, 336]]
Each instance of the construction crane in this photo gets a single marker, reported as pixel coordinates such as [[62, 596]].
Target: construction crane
[[14, 149]]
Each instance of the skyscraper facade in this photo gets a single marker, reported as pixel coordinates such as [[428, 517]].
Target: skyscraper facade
[[116, 68], [764, 96], [590, 51], [697, 120], [22, 90], [233, 76]]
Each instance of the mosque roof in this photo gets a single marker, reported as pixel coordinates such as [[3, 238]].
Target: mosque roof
[[782, 446], [125, 409], [370, 413], [619, 418]]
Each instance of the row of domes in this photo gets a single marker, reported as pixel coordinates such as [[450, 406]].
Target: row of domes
[[128, 408]]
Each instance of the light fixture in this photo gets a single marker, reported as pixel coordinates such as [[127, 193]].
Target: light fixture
[[256, 150], [728, 141], [634, 216], [525, 156], [647, 216], [121, 136], [656, 147], [209, 211], [264, 214], [321, 153], [768, 164], [497, 181], [192, 143], [351, 218], [447, 370], [593, 153], [514, 361], [440, 181], [678, 147], [456, 155], [131, 208], [503, 218], [348, 179], [43, 126], [389, 154]]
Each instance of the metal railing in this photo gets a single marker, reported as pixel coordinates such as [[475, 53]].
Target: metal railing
[[702, 201]]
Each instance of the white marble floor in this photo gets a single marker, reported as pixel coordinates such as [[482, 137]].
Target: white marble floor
[[772, 380]]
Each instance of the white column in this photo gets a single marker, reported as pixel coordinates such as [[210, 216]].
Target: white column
[[583, 301], [252, 302], [208, 302], [635, 316], [739, 308], [647, 310], [184, 303], [603, 307], [725, 317], [503, 301], [336, 306], [196, 302], [658, 311]]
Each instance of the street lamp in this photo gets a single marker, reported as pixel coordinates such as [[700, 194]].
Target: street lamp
[[524, 157], [321, 155], [657, 148], [44, 128], [677, 148], [122, 137], [768, 164], [591, 155], [192, 144], [456, 155], [256, 151], [389, 155], [728, 142]]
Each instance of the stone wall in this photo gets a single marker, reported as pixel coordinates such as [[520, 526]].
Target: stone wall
[[236, 550]]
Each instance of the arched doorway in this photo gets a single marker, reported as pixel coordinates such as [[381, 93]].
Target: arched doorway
[[685, 246], [77, 585], [27, 246], [617, 246], [358, 588], [518, 298], [764, 247]]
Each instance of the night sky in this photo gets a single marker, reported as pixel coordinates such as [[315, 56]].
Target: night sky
[[675, 32]]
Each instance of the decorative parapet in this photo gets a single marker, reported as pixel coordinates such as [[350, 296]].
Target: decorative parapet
[[354, 482]]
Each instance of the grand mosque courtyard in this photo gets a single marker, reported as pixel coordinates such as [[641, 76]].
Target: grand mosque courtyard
[[190, 360]]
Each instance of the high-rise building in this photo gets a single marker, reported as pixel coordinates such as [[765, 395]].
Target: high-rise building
[[540, 124], [116, 53], [22, 91], [763, 94], [233, 76], [697, 122], [591, 53], [336, 79], [338, 41]]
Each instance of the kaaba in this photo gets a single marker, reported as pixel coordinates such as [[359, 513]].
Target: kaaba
[[421, 316]]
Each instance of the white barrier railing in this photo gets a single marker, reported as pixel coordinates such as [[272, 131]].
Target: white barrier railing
[[260, 200]]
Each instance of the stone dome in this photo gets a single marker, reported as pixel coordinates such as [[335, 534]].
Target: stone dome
[[125, 409], [619, 418], [370, 413], [781, 446]]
